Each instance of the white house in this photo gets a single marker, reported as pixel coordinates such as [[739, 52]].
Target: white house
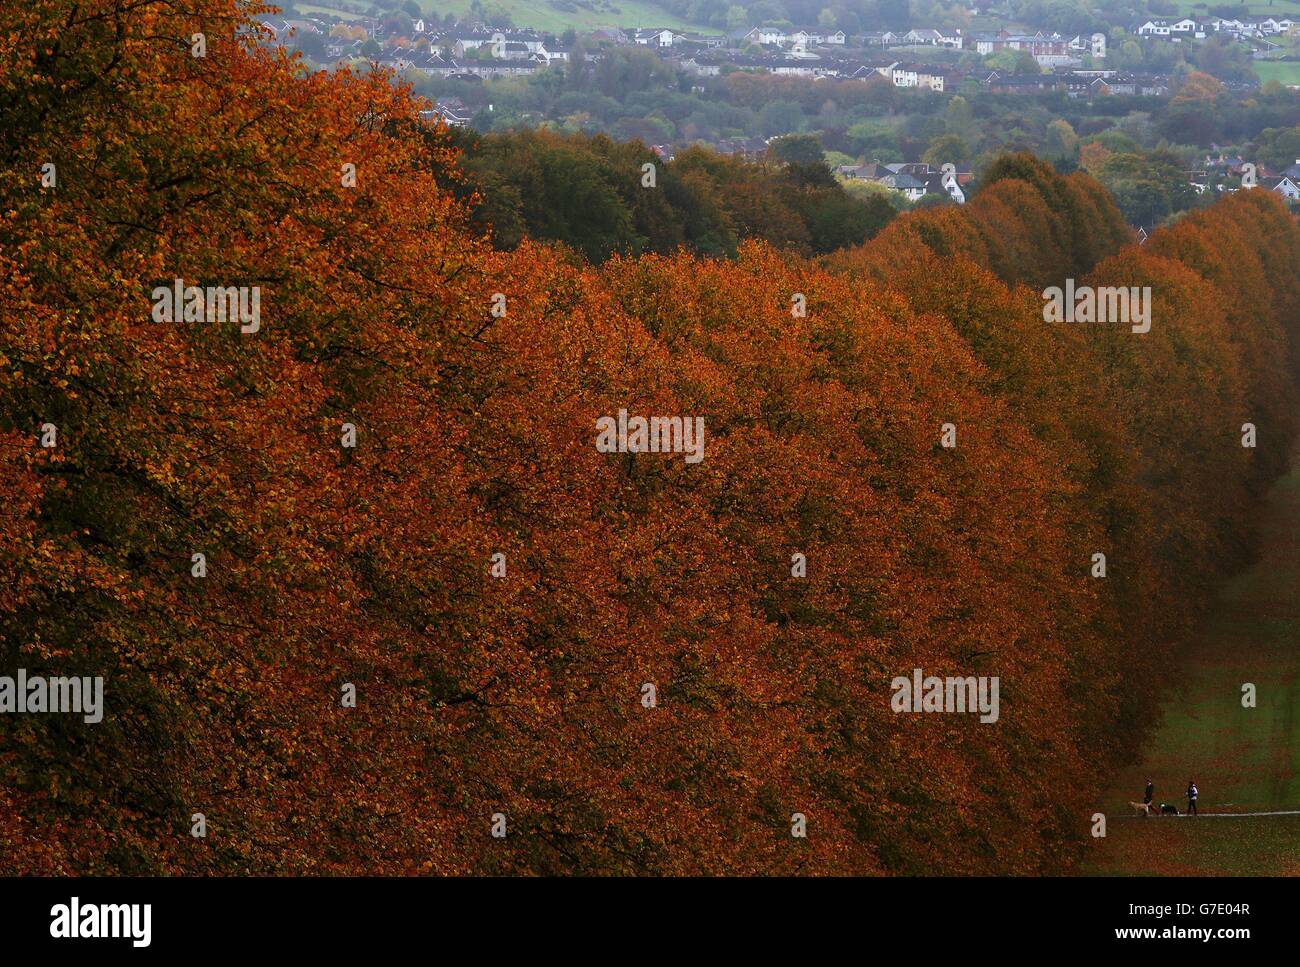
[[817, 38], [880, 38], [1287, 188], [905, 184], [923, 36], [655, 37], [936, 183], [904, 75], [766, 35]]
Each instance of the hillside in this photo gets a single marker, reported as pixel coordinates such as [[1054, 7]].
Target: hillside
[[555, 16]]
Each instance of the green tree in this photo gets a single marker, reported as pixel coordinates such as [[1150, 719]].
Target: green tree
[[947, 148], [959, 118], [1278, 147], [1061, 142], [875, 140], [800, 148]]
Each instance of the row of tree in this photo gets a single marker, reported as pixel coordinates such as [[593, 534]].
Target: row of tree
[[497, 593], [601, 196]]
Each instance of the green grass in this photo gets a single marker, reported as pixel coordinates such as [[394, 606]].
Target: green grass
[[313, 8], [586, 15], [541, 14], [924, 55], [1285, 72], [1262, 8], [1243, 759]]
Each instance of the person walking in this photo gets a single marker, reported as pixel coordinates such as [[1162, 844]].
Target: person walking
[[1150, 793], [1192, 793]]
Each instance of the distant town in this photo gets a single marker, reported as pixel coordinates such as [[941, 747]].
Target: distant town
[[494, 77], [1073, 64]]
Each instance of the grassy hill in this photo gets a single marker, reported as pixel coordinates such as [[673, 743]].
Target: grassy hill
[[554, 15], [1243, 760], [1253, 8], [1284, 71]]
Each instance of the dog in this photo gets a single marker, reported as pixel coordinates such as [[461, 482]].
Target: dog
[[1168, 809], [1145, 808]]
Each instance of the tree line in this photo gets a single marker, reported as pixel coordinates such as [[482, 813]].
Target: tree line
[[600, 197]]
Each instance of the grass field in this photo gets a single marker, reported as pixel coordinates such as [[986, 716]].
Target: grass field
[[544, 15], [585, 15], [315, 8], [1262, 8], [1243, 760], [1283, 71]]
